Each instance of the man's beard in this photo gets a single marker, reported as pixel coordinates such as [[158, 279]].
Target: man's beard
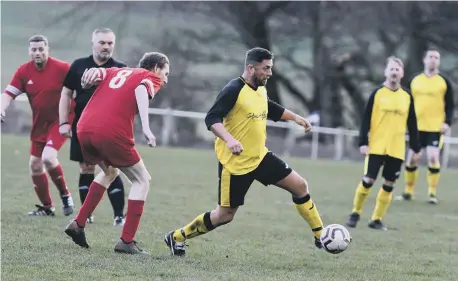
[[260, 82], [104, 56]]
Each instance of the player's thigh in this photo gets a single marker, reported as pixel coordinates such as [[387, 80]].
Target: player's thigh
[[392, 169], [409, 160], [435, 142], [110, 172], [423, 138], [232, 189], [117, 153], [433, 139], [137, 172], [36, 148], [89, 145], [373, 163], [272, 170], [55, 139]]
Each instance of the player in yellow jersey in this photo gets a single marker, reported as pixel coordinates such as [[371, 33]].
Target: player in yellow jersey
[[238, 119], [433, 96], [389, 113]]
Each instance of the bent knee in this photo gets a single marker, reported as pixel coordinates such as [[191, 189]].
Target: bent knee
[[36, 165], [112, 173], [433, 160], [87, 168], [224, 215], [302, 188], [368, 180], [50, 161], [144, 179]]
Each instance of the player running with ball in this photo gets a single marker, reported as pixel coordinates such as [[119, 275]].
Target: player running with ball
[[107, 140], [238, 119]]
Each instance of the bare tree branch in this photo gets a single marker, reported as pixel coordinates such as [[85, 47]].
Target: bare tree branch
[[296, 93]]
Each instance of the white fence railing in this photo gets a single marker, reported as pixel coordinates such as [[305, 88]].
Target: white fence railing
[[340, 134]]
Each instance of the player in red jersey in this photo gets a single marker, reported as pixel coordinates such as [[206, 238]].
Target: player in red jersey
[[41, 79], [107, 139]]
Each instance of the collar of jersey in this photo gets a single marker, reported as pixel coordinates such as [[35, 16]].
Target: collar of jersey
[[246, 83]]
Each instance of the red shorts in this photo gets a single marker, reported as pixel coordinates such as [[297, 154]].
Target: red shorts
[[97, 148], [54, 140]]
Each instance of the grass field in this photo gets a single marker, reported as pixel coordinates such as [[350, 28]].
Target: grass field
[[267, 241]]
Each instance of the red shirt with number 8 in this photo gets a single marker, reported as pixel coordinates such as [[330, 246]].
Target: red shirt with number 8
[[112, 108]]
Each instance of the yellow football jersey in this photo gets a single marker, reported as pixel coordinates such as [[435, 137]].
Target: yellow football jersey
[[433, 98], [244, 111], [387, 117]]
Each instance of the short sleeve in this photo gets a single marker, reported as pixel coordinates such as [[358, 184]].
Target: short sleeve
[[16, 86], [152, 83], [224, 103], [72, 80], [274, 111]]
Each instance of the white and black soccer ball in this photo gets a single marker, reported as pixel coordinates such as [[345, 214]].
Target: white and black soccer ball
[[335, 238]]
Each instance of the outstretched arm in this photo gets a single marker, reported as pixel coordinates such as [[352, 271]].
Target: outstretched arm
[[277, 112]]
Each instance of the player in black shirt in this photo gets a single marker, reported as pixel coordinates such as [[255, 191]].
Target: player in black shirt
[[103, 41]]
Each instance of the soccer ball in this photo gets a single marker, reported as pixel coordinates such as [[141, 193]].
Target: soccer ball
[[335, 238]]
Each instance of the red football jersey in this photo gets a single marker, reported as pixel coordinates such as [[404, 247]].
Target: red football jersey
[[43, 90], [112, 108]]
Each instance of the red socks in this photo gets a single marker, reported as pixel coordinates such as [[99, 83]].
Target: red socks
[[134, 213], [93, 198], [42, 190], [57, 176]]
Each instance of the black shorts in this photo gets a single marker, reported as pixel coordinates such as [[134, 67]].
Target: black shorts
[[75, 149], [391, 167], [233, 188], [434, 139]]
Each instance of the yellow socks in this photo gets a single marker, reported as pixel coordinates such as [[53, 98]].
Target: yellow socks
[[200, 225], [411, 175], [433, 178], [362, 191], [309, 212], [383, 200]]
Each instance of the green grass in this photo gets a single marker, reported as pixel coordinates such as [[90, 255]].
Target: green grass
[[267, 240]]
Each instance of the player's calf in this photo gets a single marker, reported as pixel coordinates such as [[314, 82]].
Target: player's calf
[[304, 204], [87, 172], [383, 201], [361, 194], [96, 191], [140, 179], [411, 176], [202, 224], [41, 187], [433, 174], [56, 173]]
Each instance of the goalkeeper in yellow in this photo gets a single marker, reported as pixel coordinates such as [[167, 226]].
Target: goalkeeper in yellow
[[433, 97], [389, 113]]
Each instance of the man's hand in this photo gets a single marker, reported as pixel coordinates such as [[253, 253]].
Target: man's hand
[[301, 121], [3, 116], [150, 138], [65, 130], [364, 149], [445, 128], [91, 77], [234, 146]]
